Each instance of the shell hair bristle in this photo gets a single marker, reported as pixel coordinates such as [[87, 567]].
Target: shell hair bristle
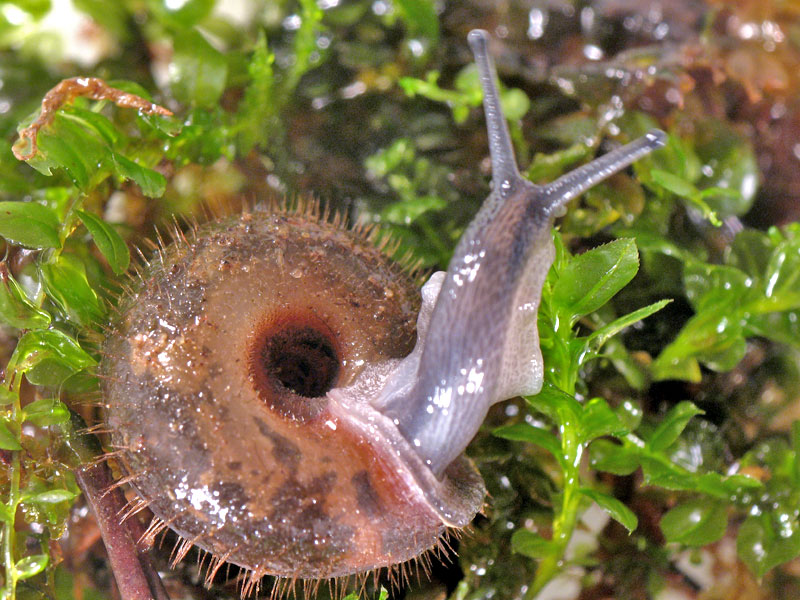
[[250, 582], [394, 577], [183, 231]]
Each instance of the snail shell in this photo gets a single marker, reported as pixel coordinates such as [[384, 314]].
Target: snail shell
[[216, 388], [270, 401]]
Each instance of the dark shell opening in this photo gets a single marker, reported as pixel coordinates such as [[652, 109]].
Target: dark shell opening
[[294, 361], [302, 358]]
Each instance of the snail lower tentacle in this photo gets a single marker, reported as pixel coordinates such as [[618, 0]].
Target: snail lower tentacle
[[283, 398]]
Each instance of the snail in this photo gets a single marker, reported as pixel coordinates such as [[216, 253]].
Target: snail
[[282, 395]]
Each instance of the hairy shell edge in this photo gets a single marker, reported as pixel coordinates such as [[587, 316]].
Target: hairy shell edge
[[257, 475]]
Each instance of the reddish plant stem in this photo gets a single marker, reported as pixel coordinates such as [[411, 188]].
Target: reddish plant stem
[[136, 577]]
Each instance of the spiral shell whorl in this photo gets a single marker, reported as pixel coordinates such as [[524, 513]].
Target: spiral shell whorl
[[238, 449]]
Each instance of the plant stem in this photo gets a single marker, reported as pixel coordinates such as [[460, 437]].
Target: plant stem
[[567, 517], [9, 537], [135, 574], [566, 377]]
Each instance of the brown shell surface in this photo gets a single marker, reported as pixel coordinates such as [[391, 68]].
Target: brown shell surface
[[226, 455]]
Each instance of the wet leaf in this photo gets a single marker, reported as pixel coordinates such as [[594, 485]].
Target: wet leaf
[[695, 522], [6, 396], [50, 497], [673, 183], [112, 16], [304, 47], [81, 152], [686, 190], [591, 279], [420, 18], [761, 546], [630, 413], [796, 447], [618, 511], [108, 241], [152, 183], [531, 544], [46, 411], [31, 565], [783, 327], [52, 345], [5, 514], [198, 71], [713, 336], [671, 426], [408, 211], [607, 456], [467, 94], [36, 8], [8, 440], [15, 308], [183, 14], [65, 282], [659, 471], [599, 337], [389, 159], [733, 166], [553, 402], [750, 252], [631, 368], [597, 419], [782, 276], [716, 287], [524, 432], [29, 224], [95, 122], [515, 104], [546, 167], [725, 299], [739, 482], [678, 158]]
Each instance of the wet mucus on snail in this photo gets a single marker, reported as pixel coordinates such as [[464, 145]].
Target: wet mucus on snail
[[282, 396]]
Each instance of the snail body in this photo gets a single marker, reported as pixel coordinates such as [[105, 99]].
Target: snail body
[[284, 397]]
